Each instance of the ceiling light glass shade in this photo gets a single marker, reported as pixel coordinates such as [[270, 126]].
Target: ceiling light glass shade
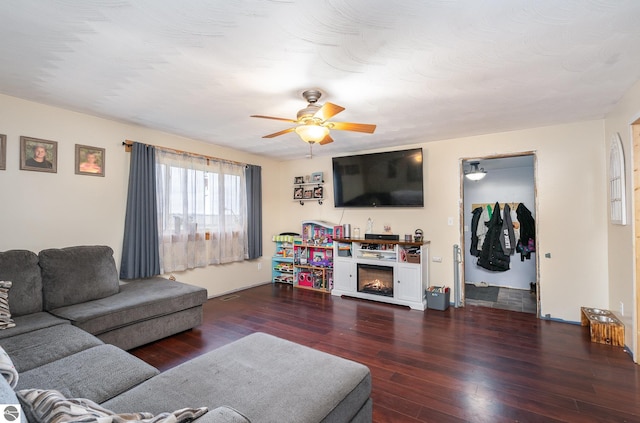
[[475, 174], [312, 133]]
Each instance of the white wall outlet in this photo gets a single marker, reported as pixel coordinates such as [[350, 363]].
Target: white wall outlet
[[450, 221], [436, 259], [259, 266], [621, 308]]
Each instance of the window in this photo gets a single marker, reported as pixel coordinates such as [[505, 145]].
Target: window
[[201, 211], [617, 189]]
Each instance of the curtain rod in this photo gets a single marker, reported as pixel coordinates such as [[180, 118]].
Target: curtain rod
[[128, 144]]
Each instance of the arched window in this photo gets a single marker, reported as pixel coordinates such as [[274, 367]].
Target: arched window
[[617, 190]]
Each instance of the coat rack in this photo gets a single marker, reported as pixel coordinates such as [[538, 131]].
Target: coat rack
[[512, 205]]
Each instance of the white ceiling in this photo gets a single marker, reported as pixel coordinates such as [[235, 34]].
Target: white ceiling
[[421, 70]]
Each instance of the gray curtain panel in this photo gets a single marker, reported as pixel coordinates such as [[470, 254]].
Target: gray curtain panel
[[140, 254], [254, 211]]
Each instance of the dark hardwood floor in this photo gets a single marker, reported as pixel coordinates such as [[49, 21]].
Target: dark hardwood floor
[[473, 364]]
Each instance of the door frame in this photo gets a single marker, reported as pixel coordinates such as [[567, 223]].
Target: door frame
[[635, 221], [463, 247]]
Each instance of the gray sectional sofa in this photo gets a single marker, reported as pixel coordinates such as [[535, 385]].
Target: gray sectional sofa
[[74, 320], [80, 285]]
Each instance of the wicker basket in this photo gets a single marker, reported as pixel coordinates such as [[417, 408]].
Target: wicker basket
[[413, 258]]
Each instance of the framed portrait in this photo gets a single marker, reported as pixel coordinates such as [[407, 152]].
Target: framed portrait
[[317, 192], [308, 193], [3, 152], [298, 180], [38, 155], [316, 177], [89, 160], [297, 193]]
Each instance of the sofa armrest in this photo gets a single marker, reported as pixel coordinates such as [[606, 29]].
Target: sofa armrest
[[223, 414]]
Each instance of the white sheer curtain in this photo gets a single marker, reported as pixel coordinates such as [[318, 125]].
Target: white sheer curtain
[[202, 212]]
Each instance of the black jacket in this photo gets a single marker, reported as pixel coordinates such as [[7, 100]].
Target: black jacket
[[527, 241], [492, 257], [477, 212]]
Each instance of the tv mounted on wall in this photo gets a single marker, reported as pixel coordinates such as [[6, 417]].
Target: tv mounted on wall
[[388, 179]]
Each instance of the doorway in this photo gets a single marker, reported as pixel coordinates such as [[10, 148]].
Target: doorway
[[508, 183]]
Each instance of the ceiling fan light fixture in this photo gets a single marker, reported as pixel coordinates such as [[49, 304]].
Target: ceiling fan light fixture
[[476, 173], [312, 134]]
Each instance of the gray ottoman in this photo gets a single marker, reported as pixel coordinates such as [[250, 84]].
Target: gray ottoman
[[265, 378]]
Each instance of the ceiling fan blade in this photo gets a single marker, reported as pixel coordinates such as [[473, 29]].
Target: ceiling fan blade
[[276, 134], [349, 126], [274, 118], [327, 111], [326, 140]]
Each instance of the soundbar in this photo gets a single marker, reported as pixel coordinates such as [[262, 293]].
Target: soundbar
[[387, 237]]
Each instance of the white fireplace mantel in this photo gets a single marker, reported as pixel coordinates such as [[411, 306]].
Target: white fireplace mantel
[[410, 271]]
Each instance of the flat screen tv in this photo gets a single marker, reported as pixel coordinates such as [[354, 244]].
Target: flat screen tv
[[388, 179]]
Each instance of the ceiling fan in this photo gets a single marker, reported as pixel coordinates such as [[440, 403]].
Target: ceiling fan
[[312, 123]]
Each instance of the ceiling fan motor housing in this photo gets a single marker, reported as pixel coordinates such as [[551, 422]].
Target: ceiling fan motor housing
[[308, 111]]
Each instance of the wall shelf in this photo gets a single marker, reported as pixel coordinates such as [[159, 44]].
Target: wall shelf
[[308, 191]]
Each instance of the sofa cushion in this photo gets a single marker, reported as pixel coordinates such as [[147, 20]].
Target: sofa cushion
[[45, 406], [145, 331], [37, 348], [137, 301], [21, 268], [31, 322], [77, 274], [269, 379], [98, 373], [5, 313], [223, 414]]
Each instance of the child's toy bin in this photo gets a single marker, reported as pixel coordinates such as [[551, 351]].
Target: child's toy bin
[[438, 300]]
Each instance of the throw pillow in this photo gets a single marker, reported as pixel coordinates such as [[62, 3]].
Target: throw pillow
[[50, 406], [5, 314], [7, 369]]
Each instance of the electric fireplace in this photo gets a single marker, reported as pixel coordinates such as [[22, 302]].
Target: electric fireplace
[[373, 279]]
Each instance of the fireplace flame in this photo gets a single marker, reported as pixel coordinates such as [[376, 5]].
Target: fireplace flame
[[376, 284]]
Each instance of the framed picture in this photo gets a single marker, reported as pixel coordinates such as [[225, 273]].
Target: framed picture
[[298, 180], [316, 177], [308, 193], [297, 193], [317, 192], [38, 155], [89, 160], [3, 152]]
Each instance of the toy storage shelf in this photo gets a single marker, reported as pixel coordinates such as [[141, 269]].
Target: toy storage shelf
[[282, 261], [313, 256]]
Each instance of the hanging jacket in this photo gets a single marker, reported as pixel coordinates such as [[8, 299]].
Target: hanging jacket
[[477, 212], [492, 257], [483, 225], [527, 242], [507, 238], [516, 225]]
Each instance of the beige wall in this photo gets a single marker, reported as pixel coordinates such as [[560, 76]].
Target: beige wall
[[621, 253], [571, 213], [51, 210], [42, 210]]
